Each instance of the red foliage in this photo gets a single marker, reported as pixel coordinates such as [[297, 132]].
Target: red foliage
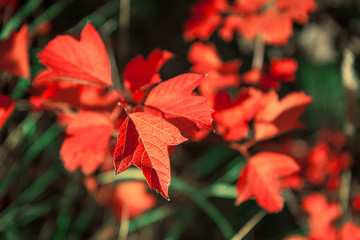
[[350, 231], [140, 81], [65, 94], [206, 17], [131, 196], [273, 25], [87, 142], [15, 55], [174, 101], [260, 179], [277, 117], [280, 70], [322, 215], [143, 141], [325, 165], [220, 75], [7, 105], [85, 60], [232, 118]]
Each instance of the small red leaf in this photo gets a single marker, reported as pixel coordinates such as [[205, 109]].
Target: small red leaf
[[143, 141], [350, 231], [232, 117], [131, 196], [7, 105], [322, 215], [139, 81], [277, 117], [14, 54], [87, 141], [174, 101], [85, 60], [259, 179], [205, 58], [205, 19]]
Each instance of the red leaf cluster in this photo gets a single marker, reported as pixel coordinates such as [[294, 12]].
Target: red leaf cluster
[[152, 121], [280, 71], [271, 20], [322, 217]]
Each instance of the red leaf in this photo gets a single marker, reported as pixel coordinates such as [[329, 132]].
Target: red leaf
[[284, 68], [85, 60], [8, 3], [143, 141], [321, 216], [232, 118], [259, 179], [14, 54], [65, 94], [205, 19], [297, 237], [139, 81], [87, 141], [298, 10], [7, 105], [355, 204], [274, 27], [215, 82], [131, 196], [205, 58], [277, 117], [350, 231], [174, 101]]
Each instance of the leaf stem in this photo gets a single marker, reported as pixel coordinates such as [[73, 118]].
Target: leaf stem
[[242, 149], [344, 194], [125, 223], [249, 225], [259, 50]]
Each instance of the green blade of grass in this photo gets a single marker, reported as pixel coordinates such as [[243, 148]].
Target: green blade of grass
[[201, 201], [150, 217], [50, 13], [47, 137], [22, 85], [85, 216], [130, 174], [211, 159], [64, 217], [8, 216], [14, 23], [184, 219], [34, 212], [232, 170], [99, 17], [221, 190], [199, 198]]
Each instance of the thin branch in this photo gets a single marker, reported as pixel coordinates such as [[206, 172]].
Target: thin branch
[[249, 225], [259, 51], [344, 194], [249, 144], [238, 147], [125, 223], [124, 25]]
